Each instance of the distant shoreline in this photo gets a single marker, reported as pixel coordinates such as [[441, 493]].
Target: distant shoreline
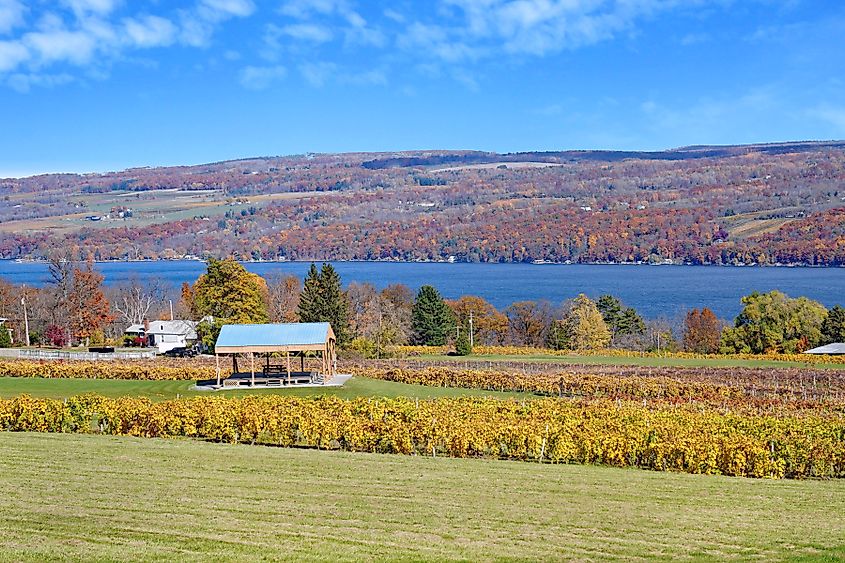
[[335, 260]]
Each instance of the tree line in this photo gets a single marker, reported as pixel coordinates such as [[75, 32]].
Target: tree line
[[75, 308]]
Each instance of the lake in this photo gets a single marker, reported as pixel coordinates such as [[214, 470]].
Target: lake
[[654, 291]]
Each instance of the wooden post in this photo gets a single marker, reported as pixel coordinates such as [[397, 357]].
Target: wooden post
[[252, 369], [287, 360], [217, 361], [302, 361]]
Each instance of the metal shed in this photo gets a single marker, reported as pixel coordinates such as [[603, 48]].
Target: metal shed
[[835, 349], [273, 341]]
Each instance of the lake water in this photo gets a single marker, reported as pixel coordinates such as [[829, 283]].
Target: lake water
[[654, 291]]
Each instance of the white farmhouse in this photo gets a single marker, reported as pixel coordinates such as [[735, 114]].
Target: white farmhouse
[[165, 335]]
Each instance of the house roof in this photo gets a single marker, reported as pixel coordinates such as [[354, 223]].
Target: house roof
[[187, 328], [268, 337], [835, 348]]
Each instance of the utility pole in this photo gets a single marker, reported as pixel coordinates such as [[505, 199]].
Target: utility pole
[[25, 320], [471, 343], [171, 309]]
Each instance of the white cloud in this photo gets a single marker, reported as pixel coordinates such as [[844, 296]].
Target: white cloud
[[261, 77], [317, 74], [11, 15], [199, 24], [227, 8], [87, 33], [22, 82], [84, 7], [12, 54], [150, 31], [61, 45], [308, 32]]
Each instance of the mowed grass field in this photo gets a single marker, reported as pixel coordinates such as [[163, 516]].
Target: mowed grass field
[[162, 390], [87, 497]]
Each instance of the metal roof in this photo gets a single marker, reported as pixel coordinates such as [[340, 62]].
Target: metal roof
[[269, 335], [835, 348], [167, 327]]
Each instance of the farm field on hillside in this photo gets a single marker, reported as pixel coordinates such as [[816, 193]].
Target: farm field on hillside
[[97, 497]]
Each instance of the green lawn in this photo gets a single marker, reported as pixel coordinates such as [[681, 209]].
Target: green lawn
[[162, 390], [86, 497], [632, 361]]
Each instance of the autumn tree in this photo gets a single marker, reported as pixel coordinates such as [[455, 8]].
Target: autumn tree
[[774, 322], [284, 297], [431, 318], [702, 331], [489, 325], [529, 322], [230, 294], [581, 328], [87, 304]]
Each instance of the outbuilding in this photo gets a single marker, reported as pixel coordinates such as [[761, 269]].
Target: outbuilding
[[272, 349], [835, 349]]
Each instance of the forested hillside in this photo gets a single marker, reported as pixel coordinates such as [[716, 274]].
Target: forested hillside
[[756, 204]]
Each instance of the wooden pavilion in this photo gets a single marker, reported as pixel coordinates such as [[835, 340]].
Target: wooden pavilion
[[270, 348]]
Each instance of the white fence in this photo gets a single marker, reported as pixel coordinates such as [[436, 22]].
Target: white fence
[[89, 356]]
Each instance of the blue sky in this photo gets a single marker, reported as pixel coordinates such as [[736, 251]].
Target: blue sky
[[95, 85]]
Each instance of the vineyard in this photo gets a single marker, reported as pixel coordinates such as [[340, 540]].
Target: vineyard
[[784, 422], [621, 434]]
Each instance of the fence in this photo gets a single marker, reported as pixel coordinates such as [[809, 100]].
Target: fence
[[87, 356]]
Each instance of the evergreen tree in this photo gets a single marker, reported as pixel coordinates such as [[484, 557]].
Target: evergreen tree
[[462, 343], [431, 318], [323, 300], [557, 338], [310, 307], [335, 303], [5, 337], [611, 310], [631, 323], [622, 321], [833, 326]]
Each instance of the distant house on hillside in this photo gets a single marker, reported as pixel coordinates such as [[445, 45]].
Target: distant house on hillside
[[164, 335], [835, 349]]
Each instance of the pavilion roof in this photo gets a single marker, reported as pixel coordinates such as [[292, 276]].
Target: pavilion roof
[[272, 337]]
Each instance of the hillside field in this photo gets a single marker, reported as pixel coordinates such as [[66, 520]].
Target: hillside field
[[92, 497]]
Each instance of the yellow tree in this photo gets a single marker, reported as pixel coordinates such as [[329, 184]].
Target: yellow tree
[[228, 292], [581, 328]]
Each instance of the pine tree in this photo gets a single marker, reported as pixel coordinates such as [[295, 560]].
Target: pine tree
[[310, 309], [431, 318], [462, 343], [5, 337], [323, 300], [335, 303], [833, 326]]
